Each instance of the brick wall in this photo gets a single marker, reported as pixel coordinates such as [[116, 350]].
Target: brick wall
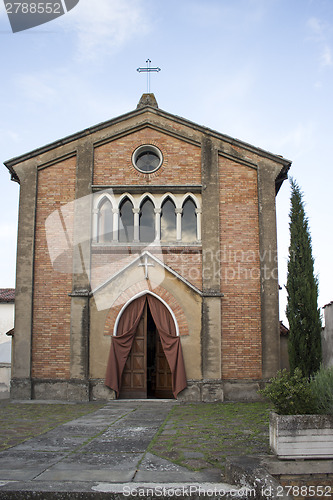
[[181, 161], [240, 271], [239, 223], [51, 314]]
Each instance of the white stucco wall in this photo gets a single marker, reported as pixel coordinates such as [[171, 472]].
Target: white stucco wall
[[6, 320], [6, 324], [327, 336], [4, 380]]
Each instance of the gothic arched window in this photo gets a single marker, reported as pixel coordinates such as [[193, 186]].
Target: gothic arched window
[[105, 222], [189, 221], [147, 222], [126, 219], [168, 221]]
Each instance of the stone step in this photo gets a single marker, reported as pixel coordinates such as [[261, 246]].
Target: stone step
[[122, 491]]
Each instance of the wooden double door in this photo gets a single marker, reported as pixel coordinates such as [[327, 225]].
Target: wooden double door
[[146, 373]]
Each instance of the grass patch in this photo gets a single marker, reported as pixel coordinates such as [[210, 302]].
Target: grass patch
[[20, 422], [216, 430]]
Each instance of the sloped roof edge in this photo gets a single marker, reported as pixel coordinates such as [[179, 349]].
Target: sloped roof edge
[[139, 258], [136, 112], [7, 295]]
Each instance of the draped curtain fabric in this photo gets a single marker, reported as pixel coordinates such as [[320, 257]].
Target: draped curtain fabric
[[170, 342], [122, 343]]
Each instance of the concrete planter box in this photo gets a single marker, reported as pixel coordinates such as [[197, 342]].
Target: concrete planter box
[[301, 436]]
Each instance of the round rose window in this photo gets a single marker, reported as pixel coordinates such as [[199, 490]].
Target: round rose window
[[147, 159]]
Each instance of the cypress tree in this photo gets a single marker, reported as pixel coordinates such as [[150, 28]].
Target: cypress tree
[[302, 286]]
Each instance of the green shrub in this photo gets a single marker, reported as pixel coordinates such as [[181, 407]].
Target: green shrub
[[291, 394], [322, 387]]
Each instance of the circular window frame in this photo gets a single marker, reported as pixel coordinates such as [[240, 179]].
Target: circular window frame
[[147, 148]]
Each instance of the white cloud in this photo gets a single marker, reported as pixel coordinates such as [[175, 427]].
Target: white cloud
[[104, 26], [36, 87], [320, 34], [326, 57], [299, 139], [317, 28]]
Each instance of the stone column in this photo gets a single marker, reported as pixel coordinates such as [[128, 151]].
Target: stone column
[[136, 232], [179, 213], [211, 305], [157, 212], [115, 212], [198, 211], [21, 349], [79, 384], [95, 225]]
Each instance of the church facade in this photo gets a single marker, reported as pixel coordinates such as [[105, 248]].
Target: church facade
[[146, 263]]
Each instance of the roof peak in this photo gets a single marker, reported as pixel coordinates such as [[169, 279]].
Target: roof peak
[[147, 100]]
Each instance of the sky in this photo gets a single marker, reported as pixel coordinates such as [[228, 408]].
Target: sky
[[257, 70]]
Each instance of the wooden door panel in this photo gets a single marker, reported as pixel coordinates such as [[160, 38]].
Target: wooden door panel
[[138, 364], [163, 373], [134, 379], [139, 380], [138, 347], [126, 380]]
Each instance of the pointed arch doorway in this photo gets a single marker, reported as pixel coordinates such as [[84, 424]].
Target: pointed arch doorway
[[146, 357], [146, 373]]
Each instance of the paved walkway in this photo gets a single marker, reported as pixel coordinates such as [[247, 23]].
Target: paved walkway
[[104, 452]]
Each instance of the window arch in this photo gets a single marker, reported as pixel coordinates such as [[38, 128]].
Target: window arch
[[171, 218], [147, 221], [126, 219], [105, 221], [189, 221], [168, 221]]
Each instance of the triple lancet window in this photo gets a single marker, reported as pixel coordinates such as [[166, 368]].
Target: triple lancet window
[[148, 222]]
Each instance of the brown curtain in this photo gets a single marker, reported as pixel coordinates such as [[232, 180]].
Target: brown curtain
[[170, 342], [122, 343]]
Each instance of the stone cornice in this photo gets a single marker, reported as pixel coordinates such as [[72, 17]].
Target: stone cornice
[[152, 111]]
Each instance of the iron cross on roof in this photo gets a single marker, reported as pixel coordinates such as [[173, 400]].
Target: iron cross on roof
[[148, 70]]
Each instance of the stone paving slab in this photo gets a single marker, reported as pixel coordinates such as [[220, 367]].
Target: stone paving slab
[[153, 468], [108, 445], [51, 443], [16, 459], [97, 454], [87, 475], [24, 474], [119, 445], [113, 461], [151, 462]]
